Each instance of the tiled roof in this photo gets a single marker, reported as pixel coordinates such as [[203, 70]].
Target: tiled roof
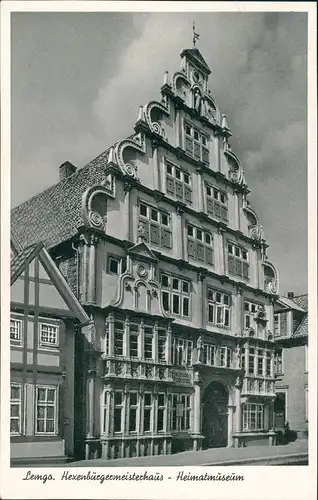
[[290, 303], [19, 260], [55, 214], [302, 329], [302, 301]]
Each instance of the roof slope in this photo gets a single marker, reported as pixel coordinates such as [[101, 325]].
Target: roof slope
[[18, 262], [54, 215], [301, 301], [302, 329], [197, 58]]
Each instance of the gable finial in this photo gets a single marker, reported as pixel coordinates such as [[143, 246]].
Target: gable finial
[[196, 36]]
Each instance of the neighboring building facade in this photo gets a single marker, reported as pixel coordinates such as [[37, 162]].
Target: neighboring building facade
[[45, 319], [291, 363], [160, 245]]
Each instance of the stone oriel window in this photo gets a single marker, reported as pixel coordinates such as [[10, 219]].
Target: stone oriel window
[[157, 226], [180, 412], [119, 338], [178, 183], [181, 351], [237, 260], [217, 203], [200, 244]]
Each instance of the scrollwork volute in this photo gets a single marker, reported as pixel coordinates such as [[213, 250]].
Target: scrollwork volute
[[137, 143], [94, 206], [255, 230], [271, 281], [235, 174], [156, 108]]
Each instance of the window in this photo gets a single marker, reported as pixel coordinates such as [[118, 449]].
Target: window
[[119, 338], [260, 362], [148, 342], [116, 265], [216, 202], [251, 361], [105, 412], [48, 335], [118, 411], [200, 245], [157, 226], [196, 143], [243, 359], [16, 409], [237, 260], [133, 340], [178, 183], [306, 404], [280, 324], [162, 339], [181, 351], [278, 361], [225, 356], [250, 310], [133, 410], [147, 411], [175, 295], [268, 364], [161, 412], [253, 417], [306, 358], [219, 308], [46, 410], [180, 412], [208, 357], [15, 331]]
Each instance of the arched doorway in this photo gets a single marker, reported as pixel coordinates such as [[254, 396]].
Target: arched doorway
[[215, 416]]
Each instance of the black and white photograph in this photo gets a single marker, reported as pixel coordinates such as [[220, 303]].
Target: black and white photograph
[[160, 265]]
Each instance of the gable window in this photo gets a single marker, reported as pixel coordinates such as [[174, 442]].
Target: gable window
[[156, 225], [48, 335], [178, 183], [175, 295], [16, 409], [115, 265], [15, 331], [278, 362], [200, 244], [216, 203], [46, 410], [280, 324], [196, 143], [237, 260], [219, 308]]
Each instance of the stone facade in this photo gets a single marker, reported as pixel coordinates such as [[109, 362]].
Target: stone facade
[[170, 263]]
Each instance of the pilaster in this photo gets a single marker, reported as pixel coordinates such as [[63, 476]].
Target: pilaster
[[155, 163], [180, 233]]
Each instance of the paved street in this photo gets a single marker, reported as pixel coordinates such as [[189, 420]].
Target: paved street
[[293, 453]]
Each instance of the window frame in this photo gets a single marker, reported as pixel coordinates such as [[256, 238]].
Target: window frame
[[136, 408], [121, 408], [214, 305], [173, 292], [148, 408], [147, 222], [216, 203], [48, 345], [121, 264], [203, 148], [19, 403], [238, 259], [247, 417], [173, 177], [181, 412], [196, 241], [44, 404], [17, 342]]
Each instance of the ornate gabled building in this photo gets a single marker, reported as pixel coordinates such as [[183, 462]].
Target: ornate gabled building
[[158, 241]]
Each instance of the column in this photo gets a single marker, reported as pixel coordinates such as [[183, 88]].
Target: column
[[90, 400], [200, 190], [180, 234], [126, 337], [197, 410], [238, 412], [91, 282], [155, 165], [230, 425], [83, 268], [155, 342], [127, 232], [178, 128], [237, 222], [220, 249], [141, 339]]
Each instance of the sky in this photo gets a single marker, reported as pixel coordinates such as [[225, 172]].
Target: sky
[[78, 79]]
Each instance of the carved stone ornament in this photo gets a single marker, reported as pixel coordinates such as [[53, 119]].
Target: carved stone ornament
[[96, 217], [152, 112], [235, 173], [141, 270], [137, 143], [271, 281]]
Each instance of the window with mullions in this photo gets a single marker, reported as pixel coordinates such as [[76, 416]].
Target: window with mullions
[[119, 338], [181, 351], [260, 362], [133, 340], [280, 324], [48, 335], [216, 202], [253, 417], [200, 244], [116, 265], [268, 364], [148, 404], [178, 183], [278, 361], [118, 411], [208, 357], [219, 308], [180, 412], [162, 341], [237, 260], [243, 359], [161, 408], [251, 361], [225, 355], [133, 411], [16, 409], [196, 143], [148, 342], [157, 226], [250, 309], [15, 331], [175, 295], [46, 410]]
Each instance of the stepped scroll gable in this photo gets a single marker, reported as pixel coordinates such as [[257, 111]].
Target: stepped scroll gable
[[158, 240]]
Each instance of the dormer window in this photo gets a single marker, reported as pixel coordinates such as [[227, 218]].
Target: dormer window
[[178, 183], [216, 202], [196, 143]]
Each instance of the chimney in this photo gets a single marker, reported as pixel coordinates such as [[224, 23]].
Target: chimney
[[290, 295], [65, 170]]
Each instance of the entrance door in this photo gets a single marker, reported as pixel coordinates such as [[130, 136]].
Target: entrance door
[[215, 411], [280, 410]]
